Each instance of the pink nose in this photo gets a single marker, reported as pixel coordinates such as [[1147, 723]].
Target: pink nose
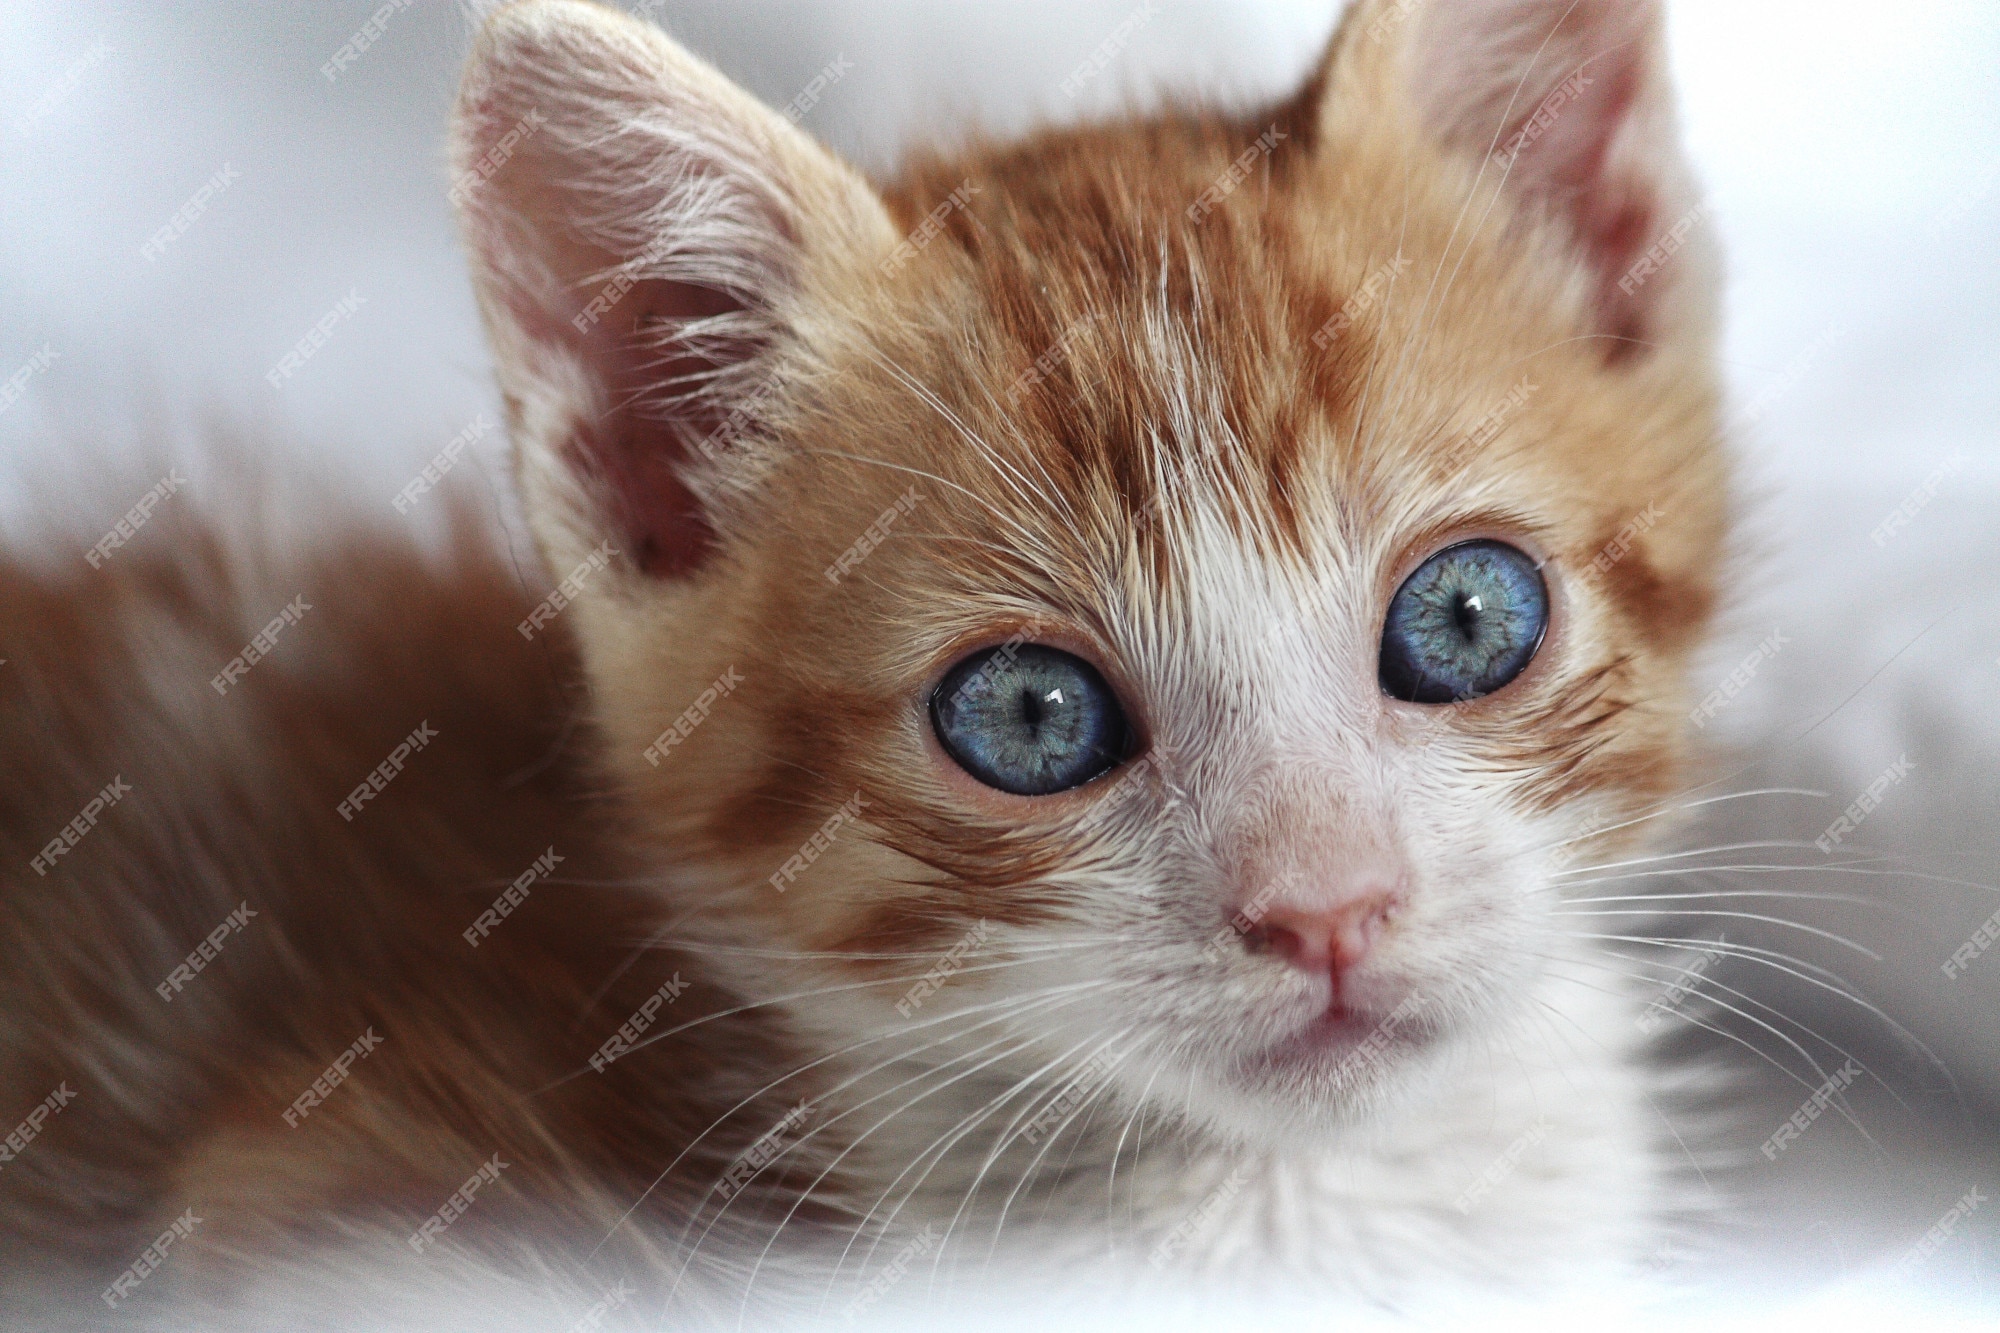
[[1325, 938]]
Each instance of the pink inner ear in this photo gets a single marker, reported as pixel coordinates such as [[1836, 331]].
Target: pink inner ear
[[1578, 168], [646, 441], [1558, 92], [561, 250], [640, 447]]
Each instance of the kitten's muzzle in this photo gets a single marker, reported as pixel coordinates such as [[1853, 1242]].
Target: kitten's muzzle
[[1323, 937]]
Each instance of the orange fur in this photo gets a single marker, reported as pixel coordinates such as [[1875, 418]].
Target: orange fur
[[1124, 436]]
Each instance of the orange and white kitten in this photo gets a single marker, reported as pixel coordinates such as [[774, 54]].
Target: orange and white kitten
[[1073, 682]]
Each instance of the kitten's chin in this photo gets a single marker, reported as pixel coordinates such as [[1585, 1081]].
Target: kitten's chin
[[1335, 1067], [1348, 1046]]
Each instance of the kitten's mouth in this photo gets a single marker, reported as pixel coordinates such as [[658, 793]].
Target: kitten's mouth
[[1351, 1042]]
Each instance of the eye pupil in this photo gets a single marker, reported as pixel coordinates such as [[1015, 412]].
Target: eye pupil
[[1468, 621], [1031, 709], [1029, 719]]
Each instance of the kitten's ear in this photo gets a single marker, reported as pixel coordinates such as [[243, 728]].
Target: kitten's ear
[[643, 237], [1566, 106]]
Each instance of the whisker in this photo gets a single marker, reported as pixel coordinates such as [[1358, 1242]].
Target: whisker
[[1811, 974], [1104, 1084], [1767, 845], [1022, 1003], [1738, 916], [1663, 809], [841, 1156], [944, 1144], [1693, 1020]]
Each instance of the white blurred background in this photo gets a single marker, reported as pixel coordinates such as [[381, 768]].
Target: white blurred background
[[1853, 157]]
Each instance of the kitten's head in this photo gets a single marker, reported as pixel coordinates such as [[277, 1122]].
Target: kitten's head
[[1200, 575]]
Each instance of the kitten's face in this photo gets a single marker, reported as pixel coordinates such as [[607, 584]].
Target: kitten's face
[[1196, 442]]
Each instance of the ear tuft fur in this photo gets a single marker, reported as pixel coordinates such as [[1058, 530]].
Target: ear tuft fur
[[640, 230], [1565, 106]]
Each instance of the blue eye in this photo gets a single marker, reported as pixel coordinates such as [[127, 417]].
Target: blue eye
[[1465, 623], [1028, 719]]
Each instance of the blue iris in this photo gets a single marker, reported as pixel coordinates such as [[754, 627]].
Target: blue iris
[[1029, 719], [1465, 623]]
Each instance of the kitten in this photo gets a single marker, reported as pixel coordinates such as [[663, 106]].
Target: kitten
[[1067, 690]]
